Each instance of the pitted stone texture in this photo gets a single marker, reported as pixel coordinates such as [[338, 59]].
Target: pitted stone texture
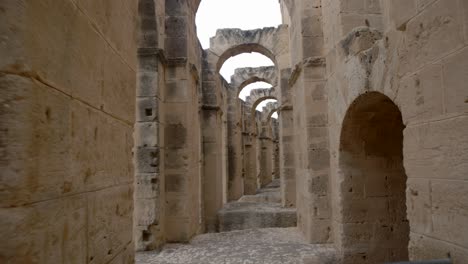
[[245, 215], [272, 246], [245, 76]]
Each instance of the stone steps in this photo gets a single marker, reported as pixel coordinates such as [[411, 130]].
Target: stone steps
[[251, 215]]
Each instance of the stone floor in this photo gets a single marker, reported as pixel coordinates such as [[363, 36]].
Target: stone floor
[[255, 246]]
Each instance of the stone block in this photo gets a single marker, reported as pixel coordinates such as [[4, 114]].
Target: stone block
[[175, 136], [148, 212], [147, 160], [312, 26], [110, 214], [431, 35], [35, 141], [318, 185], [312, 47], [318, 231], [426, 247], [176, 26], [176, 47], [318, 159], [421, 95], [93, 137], [118, 22], [176, 206], [176, 8], [147, 134], [54, 230], [177, 229], [449, 217], [178, 91], [118, 89], [436, 150], [455, 80], [176, 183], [147, 109], [147, 186], [353, 6], [418, 202], [147, 84]]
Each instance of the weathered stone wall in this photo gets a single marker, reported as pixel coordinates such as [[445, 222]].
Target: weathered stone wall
[[413, 54], [67, 77], [371, 136]]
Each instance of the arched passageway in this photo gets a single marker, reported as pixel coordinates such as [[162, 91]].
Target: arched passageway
[[375, 226]]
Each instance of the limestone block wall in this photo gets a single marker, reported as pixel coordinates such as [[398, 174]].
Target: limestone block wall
[[67, 77], [415, 58], [432, 93]]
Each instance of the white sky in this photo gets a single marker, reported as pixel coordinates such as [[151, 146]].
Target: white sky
[[243, 14]]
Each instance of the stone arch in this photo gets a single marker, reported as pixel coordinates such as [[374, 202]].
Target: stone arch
[[374, 225], [269, 41], [245, 76], [258, 95], [269, 110]]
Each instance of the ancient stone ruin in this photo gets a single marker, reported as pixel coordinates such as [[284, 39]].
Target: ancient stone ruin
[[121, 142]]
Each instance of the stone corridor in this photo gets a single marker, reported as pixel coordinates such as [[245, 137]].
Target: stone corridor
[[121, 142]]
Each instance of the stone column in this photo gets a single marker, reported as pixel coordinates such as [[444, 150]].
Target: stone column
[[182, 137], [234, 160]]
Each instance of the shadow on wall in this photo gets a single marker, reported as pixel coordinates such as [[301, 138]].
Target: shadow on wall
[[375, 226]]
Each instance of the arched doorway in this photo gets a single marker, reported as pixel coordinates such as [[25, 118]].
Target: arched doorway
[[375, 227]]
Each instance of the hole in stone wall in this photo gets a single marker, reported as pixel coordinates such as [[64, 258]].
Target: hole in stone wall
[[371, 159], [146, 236], [148, 112]]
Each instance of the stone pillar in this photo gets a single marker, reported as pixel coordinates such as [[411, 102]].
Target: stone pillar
[[215, 141], [182, 136], [234, 159], [266, 157], [287, 169], [214, 184], [149, 185], [286, 136]]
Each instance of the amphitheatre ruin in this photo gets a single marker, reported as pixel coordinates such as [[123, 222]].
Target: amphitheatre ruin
[[122, 143]]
